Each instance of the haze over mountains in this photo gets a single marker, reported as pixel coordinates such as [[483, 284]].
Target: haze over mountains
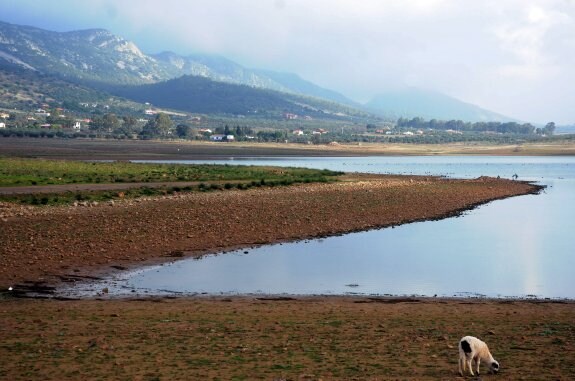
[[98, 58], [412, 102]]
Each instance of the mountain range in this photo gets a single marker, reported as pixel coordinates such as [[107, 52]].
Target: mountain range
[[99, 59]]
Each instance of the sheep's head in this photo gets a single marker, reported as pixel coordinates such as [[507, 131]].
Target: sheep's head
[[494, 367]]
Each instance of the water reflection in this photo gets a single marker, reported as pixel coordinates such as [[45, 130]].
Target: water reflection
[[515, 247]]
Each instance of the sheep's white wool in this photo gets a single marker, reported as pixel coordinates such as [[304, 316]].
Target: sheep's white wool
[[473, 349]]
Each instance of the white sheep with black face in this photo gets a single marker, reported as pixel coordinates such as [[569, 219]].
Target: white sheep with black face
[[473, 349]]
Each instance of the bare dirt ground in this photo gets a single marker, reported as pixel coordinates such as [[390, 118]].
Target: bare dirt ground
[[243, 338], [85, 149], [327, 338]]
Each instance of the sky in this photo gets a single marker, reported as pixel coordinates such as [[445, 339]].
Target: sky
[[514, 57]]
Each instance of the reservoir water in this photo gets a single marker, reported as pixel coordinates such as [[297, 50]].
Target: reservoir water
[[518, 247]]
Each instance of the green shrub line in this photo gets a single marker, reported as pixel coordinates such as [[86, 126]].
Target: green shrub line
[[27, 172], [209, 177], [71, 197]]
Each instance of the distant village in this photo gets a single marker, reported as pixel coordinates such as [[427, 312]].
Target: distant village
[[97, 120]]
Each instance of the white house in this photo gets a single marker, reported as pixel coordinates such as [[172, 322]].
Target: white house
[[42, 112], [222, 138], [77, 126], [2, 125], [217, 138], [298, 132]]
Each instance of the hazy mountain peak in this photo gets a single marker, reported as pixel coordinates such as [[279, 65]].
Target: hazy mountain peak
[[409, 102]]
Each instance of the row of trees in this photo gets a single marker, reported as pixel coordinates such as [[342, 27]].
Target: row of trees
[[459, 125], [160, 125]]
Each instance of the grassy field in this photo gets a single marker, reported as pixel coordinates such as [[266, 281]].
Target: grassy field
[[16, 172], [37, 174]]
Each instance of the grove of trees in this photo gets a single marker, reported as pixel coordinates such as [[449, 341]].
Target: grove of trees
[[459, 125]]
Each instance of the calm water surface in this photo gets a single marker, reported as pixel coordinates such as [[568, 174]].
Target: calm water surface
[[518, 247]]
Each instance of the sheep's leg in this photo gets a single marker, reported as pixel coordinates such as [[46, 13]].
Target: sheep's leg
[[461, 363], [470, 366], [478, 360]]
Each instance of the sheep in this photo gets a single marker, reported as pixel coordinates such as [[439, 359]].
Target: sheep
[[473, 349]]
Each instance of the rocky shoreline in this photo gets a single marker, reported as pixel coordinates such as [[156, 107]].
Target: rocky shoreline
[[47, 245]]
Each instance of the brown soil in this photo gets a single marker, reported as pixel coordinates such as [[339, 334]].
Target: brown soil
[[300, 339], [47, 243], [86, 149]]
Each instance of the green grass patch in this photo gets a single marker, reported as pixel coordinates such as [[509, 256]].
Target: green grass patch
[[205, 178], [23, 172]]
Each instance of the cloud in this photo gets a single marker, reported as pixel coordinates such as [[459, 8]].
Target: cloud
[[526, 39]]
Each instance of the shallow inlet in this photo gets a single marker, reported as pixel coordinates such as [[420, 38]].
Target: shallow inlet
[[518, 247]]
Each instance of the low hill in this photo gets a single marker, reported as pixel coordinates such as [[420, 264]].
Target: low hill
[[202, 95]]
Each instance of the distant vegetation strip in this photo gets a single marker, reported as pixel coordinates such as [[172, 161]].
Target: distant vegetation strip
[[30, 172], [22, 172]]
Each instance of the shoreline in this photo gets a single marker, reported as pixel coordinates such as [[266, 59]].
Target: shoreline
[[100, 149], [69, 243]]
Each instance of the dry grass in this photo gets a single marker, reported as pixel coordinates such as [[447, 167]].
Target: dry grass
[[307, 339]]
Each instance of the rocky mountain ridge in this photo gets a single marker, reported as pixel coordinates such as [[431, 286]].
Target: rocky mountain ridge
[[97, 55]]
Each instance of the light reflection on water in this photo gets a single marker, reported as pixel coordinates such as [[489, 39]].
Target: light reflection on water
[[516, 247]]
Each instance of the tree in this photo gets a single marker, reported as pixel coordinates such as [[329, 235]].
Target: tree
[[130, 122], [160, 125], [239, 131], [67, 122], [549, 128], [106, 123], [54, 117], [97, 123], [110, 122], [183, 130]]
